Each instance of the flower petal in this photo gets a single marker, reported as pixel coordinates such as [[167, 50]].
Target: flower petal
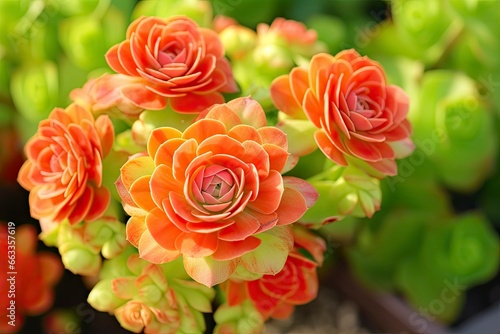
[[208, 271]]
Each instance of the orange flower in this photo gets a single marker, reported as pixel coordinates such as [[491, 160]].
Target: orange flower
[[276, 295], [64, 168], [175, 59], [294, 33], [30, 291], [210, 192], [357, 114]]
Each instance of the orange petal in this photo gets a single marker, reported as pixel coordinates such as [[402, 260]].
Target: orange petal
[[363, 150], [278, 157], [207, 271], [161, 229], [222, 144], [159, 136], [183, 157], [100, 203], [270, 192], [113, 61], [82, 206], [212, 42], [106, 132], [197, 244], [309, 193], [243, 132], [141, 193], [292, 207], [224, 114], [283, 97], [255, 154], [162, 183], [244, 226], [249, 111], [312, 108], [231, 250], [165, 153], [273, 135], [203, 129], [329, 149], [385, 166], [135, 168], [23, 176], [195, 103], [135, 228], [149, 250], [143, 97]]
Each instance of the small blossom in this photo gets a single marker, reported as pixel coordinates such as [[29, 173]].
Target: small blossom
[[290, 34], [172, 59], [63, 171], [359, 118]]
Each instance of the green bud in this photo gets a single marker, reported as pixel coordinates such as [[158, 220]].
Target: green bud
[[35, 90], [272, 61], [238, 41], [80, 260], [118, 265], [353, 192], [243, 318], [102, 297], [300, 134], [150, 294], [152, 119]]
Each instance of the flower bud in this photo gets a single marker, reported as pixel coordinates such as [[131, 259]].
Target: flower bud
[[272, 61], [80, 260], [238, 41], [241, 318], [152, 119], [102, 297], [352, 190]]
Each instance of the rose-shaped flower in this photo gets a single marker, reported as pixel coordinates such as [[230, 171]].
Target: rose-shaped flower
[[359, 117], [173, 58], [134, 316], [64, 168], [276, 295], [208, 194], [29, 290]]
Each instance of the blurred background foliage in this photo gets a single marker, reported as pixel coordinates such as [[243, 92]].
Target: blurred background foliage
[[439, 218]]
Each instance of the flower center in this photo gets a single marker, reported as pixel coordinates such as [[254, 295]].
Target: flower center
[[214, 188]]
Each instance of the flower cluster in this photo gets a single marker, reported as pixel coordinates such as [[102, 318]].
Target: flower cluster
[[215, 188]]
